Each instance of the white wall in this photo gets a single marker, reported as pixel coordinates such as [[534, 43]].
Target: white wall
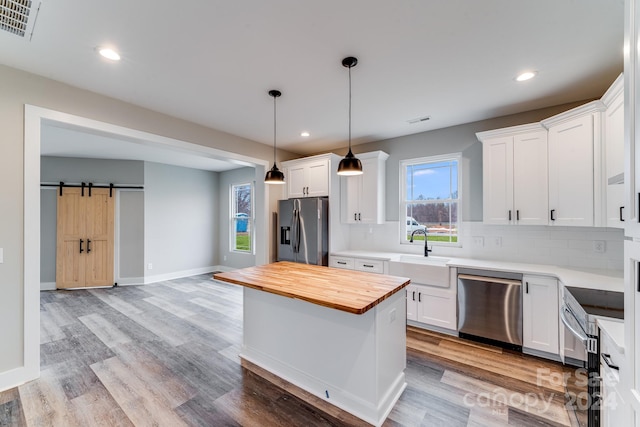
[[180, 221]]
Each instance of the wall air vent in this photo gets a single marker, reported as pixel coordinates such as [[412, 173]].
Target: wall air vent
[[419, 119], [19, 16]]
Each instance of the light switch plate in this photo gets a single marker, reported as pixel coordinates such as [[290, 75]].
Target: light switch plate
[[478, 241]]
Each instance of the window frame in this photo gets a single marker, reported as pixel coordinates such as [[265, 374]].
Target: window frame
[[403, 164], [233, 218]]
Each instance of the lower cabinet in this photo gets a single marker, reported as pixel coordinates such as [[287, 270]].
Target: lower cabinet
[[540, 317], [431, 306], [614, 409]]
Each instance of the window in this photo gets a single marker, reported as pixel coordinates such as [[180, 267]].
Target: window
[[242, 218], [430, 199]]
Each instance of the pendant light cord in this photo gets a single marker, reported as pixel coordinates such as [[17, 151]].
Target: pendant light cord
[[274, 130], [350, 109]]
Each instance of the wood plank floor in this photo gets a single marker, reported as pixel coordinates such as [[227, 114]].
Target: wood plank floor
[[166, 354]]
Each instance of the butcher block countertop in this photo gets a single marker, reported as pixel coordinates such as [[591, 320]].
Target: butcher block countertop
[[347, 290]]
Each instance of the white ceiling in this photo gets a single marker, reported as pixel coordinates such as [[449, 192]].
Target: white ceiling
[[212, 62]]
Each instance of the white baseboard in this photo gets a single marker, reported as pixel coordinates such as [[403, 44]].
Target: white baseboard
[[180, 274], [126, 281], [47, 286], [16, 377]]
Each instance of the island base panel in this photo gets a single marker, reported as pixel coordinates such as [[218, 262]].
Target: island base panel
[[355, 362]]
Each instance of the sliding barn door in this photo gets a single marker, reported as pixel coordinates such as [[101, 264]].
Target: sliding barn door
[[85, 238]]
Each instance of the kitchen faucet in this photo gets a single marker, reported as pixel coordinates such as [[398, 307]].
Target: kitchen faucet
[[423, 231]]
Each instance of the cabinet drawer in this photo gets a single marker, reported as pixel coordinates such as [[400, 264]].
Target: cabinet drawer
[[608, 348], [338, 262], [369, 265]]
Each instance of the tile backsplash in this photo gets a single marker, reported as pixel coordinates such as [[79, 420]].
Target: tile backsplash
[[576, 247]]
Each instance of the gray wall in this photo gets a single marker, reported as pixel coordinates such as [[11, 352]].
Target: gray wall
[[130, 208], [131, 235], [180, 217], [454, 139], [236, 176]]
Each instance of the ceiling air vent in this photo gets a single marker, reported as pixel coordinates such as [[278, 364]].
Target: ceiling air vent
[[19, 16]]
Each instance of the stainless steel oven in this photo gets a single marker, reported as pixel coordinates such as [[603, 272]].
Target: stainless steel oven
[[580, 309]]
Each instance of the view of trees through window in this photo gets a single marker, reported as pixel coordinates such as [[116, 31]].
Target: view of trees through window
[[431, 199], [241, 224]]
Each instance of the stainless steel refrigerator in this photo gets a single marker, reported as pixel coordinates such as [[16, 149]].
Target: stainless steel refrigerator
[[303, 230]]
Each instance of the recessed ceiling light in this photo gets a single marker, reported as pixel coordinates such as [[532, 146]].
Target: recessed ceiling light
[[526, 76], [305, 134], [109, 53]]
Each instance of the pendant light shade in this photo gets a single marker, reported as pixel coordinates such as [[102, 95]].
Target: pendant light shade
[[274, 176], [350, 165]]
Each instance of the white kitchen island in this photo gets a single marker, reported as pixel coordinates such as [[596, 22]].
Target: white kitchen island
[[339, 335]]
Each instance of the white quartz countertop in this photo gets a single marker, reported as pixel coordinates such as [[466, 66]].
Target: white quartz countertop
[[580, 278], [615, 330]]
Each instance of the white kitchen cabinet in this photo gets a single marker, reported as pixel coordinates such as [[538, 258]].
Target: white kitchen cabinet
[[614, 407], [614, 154], [307, 177], [431, 306], [515, 174], [540, 315], [362, 198], [574, 136]]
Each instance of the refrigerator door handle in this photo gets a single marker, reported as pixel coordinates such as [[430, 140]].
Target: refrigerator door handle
[[295, 230]]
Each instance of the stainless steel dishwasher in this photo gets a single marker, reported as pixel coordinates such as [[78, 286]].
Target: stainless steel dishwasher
[[490, 306]]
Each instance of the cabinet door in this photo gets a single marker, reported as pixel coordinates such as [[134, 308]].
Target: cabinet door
[[540, 317], [632, 321], [571, 172], [317, 179], [530, 178], [412, 303], [371, 210], [350, 194], [296, 181], [497, 172], [437, 307], [614, 149]]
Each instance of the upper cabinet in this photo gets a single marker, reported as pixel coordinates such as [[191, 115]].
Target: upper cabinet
[[307, 177], [614, 153], [515, 175], [574, 136], [362, 196]]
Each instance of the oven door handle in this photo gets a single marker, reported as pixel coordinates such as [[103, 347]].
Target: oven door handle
[[575, 329]]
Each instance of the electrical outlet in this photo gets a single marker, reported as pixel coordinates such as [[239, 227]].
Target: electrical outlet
[[149, 266], [224, 258], [496, 242], [599, 246], [478, 241], [1, 255]]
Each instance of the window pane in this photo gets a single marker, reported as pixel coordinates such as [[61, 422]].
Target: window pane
[[432, 181], [241, 224], [439, 219]]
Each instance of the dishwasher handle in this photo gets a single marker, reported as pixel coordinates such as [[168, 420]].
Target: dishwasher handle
[[490, 279], [572, 325]]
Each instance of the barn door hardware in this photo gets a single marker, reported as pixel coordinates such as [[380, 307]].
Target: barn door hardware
[[90, 186]]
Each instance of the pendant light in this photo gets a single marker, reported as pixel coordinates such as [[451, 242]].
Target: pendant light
[[274, 176], [350, 165]]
